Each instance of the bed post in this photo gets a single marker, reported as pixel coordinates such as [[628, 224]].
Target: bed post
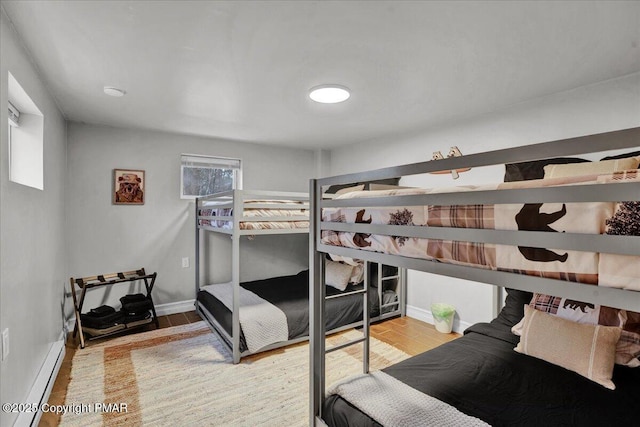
[[196, 261], [497, 300], [235, 273], [365, 313], [316, 306], [402, 274]]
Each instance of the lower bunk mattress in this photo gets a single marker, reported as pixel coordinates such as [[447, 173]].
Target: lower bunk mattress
[[482, 376], [277, 309]]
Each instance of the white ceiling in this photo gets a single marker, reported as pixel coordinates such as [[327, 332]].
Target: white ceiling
[[242, 70]]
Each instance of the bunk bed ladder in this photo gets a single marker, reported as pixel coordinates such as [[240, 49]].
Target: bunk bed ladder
[[365, 321], [317, 299], [399, 304]]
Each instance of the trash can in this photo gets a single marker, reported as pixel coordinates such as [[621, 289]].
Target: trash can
[[443, 316]]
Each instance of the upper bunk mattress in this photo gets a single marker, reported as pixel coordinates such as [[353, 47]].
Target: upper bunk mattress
[[612, 270], [259, 212]]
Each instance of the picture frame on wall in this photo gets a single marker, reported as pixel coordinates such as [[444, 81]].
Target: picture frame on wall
[[128, 187]]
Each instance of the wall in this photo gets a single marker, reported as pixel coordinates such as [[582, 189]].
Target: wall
[[602, 107], [33, 263], [106, 238], [27, 151]]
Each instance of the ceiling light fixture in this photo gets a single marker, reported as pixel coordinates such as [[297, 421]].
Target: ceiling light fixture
[[114, 91], [329, 94]]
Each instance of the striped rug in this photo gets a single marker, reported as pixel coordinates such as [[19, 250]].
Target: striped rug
[[183, 376]]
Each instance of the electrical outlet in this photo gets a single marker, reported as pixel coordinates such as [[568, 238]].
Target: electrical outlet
[[5, 344], [185, 262]]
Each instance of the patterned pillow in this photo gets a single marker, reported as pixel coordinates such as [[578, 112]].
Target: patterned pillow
[[588, 350], [628, 347]]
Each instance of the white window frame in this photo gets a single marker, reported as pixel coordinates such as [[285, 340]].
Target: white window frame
[[215, 162], [25, 139]]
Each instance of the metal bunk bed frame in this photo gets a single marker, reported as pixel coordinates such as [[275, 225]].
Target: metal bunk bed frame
[[626, 245], [235, 199]]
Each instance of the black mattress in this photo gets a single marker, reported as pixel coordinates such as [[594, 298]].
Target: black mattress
[[481, 375], [291, 295]]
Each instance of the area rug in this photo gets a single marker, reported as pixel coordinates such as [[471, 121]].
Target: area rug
[[183, 376]]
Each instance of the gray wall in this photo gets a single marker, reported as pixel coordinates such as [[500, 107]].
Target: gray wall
[[106, 238], [33, 263], [610, 105]]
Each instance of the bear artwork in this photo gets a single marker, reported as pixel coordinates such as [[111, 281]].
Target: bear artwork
[[531, 219], [129, 190]]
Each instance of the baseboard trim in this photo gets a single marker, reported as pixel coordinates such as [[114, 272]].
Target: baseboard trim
[[426, 316], [41, 389], [175, 307]]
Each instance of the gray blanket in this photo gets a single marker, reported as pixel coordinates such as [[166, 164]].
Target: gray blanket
[[262, 322], [393, 403]]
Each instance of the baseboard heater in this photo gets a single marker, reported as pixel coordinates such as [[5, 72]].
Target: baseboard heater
[[41, 389]]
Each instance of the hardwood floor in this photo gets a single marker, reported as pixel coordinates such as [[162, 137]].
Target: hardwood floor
[[409, 335]]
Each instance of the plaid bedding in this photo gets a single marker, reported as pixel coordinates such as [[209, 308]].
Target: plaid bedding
[[257, 213], [464, 253], [469, 216], [577, 266]]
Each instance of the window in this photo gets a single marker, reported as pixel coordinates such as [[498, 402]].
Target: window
[[26, 138], [203, 175]]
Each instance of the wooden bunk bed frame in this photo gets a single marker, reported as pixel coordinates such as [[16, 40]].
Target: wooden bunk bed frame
[[614, 244]]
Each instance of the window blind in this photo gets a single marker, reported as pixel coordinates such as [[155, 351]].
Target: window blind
[[192, 160]]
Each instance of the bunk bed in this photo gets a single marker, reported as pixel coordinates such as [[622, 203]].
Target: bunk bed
[[265, 314], [479, 379]]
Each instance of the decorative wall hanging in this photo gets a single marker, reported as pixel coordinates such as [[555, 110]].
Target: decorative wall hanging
[[128, 187], [453, 152]]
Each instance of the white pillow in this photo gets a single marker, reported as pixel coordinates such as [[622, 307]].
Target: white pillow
[[345, 259], [357, 275], [337, 274], [350, 189]]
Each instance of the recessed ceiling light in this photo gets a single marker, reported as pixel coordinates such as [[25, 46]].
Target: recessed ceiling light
[[329, 94], [114, 91]]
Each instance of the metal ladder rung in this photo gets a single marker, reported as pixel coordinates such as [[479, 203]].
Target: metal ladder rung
[[390, 304], [361, 291], [343, 345]]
